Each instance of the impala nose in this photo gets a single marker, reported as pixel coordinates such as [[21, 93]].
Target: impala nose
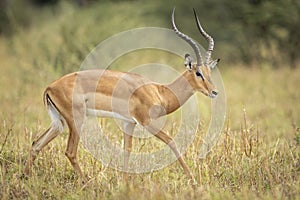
[[214, 92]]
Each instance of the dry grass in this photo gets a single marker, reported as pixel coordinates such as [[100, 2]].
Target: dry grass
[[256, 157]]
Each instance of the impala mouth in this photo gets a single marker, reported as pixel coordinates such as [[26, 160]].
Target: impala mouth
[[212, 96]]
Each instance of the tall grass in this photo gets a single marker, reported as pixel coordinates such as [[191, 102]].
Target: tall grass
[[257, 156]]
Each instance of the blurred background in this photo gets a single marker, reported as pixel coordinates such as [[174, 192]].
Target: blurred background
[[246, 31]]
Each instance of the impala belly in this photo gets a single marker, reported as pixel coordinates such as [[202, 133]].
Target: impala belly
[[108, 114]]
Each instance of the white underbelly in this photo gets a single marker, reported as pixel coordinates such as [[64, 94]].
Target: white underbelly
[[108, 114]]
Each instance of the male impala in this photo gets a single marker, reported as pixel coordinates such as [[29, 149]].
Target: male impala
[[126, 96]]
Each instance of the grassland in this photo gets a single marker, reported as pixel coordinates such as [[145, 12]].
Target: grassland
[[257, 156]]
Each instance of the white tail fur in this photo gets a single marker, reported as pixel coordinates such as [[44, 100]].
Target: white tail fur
[[57, 120]]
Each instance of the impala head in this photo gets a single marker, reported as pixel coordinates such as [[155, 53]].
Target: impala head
[[200, 72]]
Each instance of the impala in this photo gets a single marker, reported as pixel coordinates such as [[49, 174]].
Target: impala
[[130, 97]]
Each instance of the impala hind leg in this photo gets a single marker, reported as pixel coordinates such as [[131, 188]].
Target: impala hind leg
[[171, 143], [73, 140], [39, 144], [71, 152], [128, 131]]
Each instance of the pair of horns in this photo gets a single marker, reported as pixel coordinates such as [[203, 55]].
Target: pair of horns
[[193, 44]]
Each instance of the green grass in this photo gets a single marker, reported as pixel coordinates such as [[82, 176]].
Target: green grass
[[257, 156]]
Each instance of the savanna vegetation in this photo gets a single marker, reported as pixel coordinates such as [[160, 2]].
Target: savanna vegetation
[[258, 153]]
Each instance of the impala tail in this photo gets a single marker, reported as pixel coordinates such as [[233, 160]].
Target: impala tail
[[57, 120]]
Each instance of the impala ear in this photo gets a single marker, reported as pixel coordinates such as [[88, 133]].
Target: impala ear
[[214, 63], [188, 61]]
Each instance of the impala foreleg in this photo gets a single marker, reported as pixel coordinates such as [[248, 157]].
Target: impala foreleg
[[171, 143]]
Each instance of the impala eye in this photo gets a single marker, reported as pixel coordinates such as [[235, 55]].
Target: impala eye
[[199, 74]]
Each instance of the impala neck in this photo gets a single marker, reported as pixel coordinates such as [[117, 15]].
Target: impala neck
[[178, 92]]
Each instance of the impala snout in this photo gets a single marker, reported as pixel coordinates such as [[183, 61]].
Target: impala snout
[[213, 94]]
